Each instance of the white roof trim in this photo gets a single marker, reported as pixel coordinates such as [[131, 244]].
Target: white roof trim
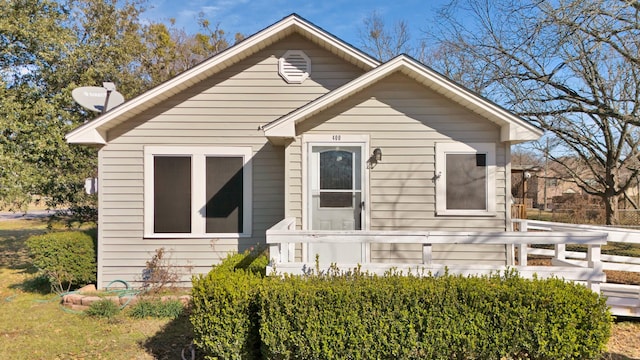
[[90, 133], [513, 128]]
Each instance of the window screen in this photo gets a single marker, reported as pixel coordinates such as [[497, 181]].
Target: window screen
[[224, 177], [172, 194], [466, 181]]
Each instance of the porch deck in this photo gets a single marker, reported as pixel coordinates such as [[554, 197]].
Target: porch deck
[[289, 254]]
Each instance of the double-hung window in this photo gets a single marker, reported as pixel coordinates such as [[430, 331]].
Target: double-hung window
[[465, 179], [197, 191]]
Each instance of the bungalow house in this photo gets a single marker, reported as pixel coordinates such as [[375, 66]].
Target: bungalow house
[[294, 123]]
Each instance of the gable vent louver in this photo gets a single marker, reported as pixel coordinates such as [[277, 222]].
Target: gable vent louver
[[294, 66]]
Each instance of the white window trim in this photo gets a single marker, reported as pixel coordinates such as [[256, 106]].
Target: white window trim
[[309, 140], [198, 155], [442, 149]]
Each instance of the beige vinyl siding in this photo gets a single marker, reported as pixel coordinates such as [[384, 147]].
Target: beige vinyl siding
[[225, 110], [405, 120], [396, 253]]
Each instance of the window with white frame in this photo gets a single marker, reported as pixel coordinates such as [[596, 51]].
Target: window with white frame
[[197, 191], [465, 179]]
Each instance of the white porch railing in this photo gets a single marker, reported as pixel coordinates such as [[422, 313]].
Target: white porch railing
[[609, 262], [624, 300], [282, 239]]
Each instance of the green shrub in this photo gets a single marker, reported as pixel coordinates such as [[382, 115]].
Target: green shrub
[[157, 309], [452, 317], [67, 259], [103, 308], [253, 261], [239, 314], [224, 307]]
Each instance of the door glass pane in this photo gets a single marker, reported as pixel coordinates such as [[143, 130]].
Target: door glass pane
[[336, 170], [224, 179], [172, 194], [466, 181]]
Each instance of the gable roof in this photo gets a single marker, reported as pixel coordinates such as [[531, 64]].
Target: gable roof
[[513, 128], [95, 131]]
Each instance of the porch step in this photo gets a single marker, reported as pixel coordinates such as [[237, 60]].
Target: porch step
[[624, 300]]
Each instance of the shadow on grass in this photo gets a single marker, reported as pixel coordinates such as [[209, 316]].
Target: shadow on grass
[[13, 251], [34, 284], [169, 342], [14, 234]]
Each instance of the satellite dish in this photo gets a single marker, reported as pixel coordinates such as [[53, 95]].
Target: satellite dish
[[95, 97]]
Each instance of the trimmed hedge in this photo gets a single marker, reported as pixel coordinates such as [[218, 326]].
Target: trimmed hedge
[[67, 259], [240, 315], [452, 317], [224, 311], [156, 308]]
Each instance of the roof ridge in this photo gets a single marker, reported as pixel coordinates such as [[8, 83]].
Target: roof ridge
[[90, 133]]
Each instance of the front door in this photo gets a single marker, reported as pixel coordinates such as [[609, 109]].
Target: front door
[[336, 199]]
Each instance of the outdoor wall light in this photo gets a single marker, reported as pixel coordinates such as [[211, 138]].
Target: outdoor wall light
[[374, 158], [377, 154]]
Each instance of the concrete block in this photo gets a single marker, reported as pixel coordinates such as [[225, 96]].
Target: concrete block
[[91, 288], [72, 299], [113, 299], [88, 300], [78, 307], [185, 299]]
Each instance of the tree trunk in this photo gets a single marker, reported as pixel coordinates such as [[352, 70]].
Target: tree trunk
[[611, 209]]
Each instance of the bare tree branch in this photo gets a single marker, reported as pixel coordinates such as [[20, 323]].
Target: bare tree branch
[[570, 66]]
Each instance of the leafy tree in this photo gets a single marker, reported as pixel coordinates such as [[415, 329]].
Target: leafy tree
[[33, 120], [170, 51], [48, 48], [570, 66]]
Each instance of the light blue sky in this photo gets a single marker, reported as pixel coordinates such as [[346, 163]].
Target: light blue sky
[[343, 18]]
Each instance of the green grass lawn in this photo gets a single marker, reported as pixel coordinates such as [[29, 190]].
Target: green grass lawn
[[34, 326]]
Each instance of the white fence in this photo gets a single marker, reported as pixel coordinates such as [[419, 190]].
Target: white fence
[[609, 262], [282, 239], [624, 300]]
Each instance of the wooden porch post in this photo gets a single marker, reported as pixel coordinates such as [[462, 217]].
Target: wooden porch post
[[522, 248], [426, 254], [594, 262], [274, 253], [560, 251]]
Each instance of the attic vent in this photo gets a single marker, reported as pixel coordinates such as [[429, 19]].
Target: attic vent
[[294, 66]]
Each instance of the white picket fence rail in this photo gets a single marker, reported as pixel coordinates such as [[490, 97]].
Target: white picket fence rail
[[609, 262], [286, 246], [624, 300], [283, 237]]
